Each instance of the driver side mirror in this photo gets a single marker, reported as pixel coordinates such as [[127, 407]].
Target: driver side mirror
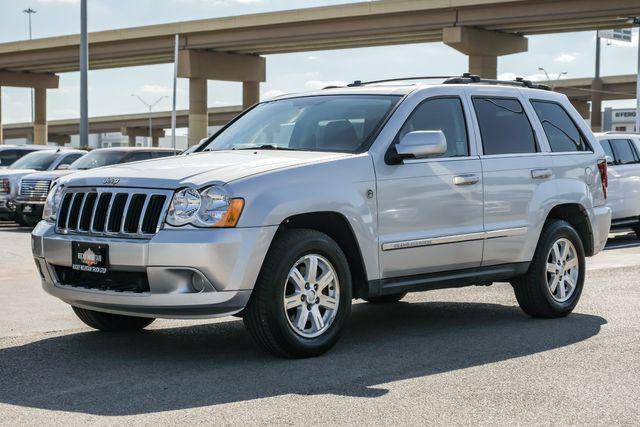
[[609, 160], [63, 167], [418, 145]]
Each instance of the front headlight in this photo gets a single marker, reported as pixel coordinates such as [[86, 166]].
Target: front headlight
[[209, 207], [54, 198]]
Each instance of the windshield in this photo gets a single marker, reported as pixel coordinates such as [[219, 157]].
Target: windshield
[[342, 123], [39, 160], [97, 159]]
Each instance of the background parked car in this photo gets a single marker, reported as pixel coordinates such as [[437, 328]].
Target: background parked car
[[35, 187], [10, 153], [623, 159], [42, 160]]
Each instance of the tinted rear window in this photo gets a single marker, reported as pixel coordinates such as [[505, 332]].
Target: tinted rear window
[[504, 126], [562, 133], [624, 151]]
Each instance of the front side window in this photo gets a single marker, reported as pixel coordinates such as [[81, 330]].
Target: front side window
[[446, 115], [139, 156], [69, 159], [562, 133], [38, 160], [333, 123], [504, 126], [624, 150]]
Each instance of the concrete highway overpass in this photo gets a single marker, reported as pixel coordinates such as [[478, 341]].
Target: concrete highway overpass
[[231, 48], [133, 125]]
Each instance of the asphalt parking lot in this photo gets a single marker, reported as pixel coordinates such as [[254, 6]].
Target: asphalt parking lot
[[462, 356]]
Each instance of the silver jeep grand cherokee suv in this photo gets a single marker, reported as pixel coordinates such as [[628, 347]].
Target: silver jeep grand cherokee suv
[[306, 202]]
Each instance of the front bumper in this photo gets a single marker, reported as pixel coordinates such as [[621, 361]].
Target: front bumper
[[225, 264], [30, 208]]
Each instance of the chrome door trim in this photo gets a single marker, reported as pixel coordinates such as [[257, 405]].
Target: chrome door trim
[[455, 238]]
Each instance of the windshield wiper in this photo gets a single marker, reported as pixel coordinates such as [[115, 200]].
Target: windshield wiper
[[265, 147]]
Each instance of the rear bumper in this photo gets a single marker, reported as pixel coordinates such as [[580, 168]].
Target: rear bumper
[[601, 223], [191, 273]]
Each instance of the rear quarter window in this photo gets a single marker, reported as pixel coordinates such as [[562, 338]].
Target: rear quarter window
[[561, 131]]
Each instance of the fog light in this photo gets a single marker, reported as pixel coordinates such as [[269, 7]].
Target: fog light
[[198, 282], [11, 205]]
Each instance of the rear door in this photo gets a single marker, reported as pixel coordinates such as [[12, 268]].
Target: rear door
[[627, 175], [515, 165], [430, 210]]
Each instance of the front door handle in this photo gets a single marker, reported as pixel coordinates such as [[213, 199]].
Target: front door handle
[[466, 179], [541, 173]]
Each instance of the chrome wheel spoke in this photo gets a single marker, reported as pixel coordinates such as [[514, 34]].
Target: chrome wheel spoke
[[293, 301], [325, 280], [302, 317], [563, 291], [328, 302], [554, 284], [316, 318], [568, 280], [297, 279], [571, 263], [551, 268], [312, 269]]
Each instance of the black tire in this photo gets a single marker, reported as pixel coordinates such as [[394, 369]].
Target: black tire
[[386, 299], [532, 292], [265, 317], [108, 322]]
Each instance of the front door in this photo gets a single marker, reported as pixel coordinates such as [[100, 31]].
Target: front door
[[430, 210]]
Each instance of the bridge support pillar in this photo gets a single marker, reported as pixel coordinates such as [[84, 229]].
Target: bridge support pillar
[[582, 107], [483, 47], [199, 66], [596, 105], [132, 140], [1, 137], [250, 94], [61, 140], [40, 116], [198, 114]]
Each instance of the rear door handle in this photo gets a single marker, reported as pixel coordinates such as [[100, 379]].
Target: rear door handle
[[541, 173], [466, 179]]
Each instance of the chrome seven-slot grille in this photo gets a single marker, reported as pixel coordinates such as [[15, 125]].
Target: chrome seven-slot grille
[[115, 212], [35, 188]]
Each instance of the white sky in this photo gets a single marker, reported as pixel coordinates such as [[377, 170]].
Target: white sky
[[110, 90]]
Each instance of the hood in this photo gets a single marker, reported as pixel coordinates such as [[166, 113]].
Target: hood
[[50, 175], [12, 173], [197, 169]]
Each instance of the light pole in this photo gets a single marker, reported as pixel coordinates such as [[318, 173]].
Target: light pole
[[636, 20], [150, 107], [30, 12], [551, 83], [84, 69]]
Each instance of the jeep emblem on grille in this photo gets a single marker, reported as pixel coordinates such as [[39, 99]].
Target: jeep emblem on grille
[[111, 181]]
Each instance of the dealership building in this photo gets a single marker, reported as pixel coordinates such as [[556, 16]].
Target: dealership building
[[619, 119]]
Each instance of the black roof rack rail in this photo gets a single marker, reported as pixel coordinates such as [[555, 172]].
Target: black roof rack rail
[[466, 78], [361, 83]]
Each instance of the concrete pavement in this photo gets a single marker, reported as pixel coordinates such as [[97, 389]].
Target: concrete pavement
[[460, 356]]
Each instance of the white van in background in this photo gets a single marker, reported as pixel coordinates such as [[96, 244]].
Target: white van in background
[[623, 159]]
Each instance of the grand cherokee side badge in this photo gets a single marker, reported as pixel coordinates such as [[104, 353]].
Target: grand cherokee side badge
[[111, 181]]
